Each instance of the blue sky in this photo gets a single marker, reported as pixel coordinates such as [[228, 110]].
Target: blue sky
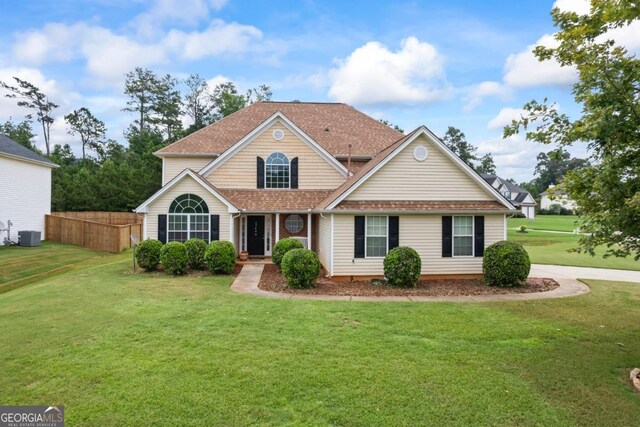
[[438, 63]]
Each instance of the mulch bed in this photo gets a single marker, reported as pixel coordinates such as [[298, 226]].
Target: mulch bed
[[272, 280]]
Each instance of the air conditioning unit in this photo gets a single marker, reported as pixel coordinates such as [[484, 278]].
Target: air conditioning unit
[[29, 238]]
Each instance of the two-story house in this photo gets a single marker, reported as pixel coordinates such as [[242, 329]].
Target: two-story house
[[518, 196], [348, 186]]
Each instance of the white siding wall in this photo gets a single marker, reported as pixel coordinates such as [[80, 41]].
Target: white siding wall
[[421, 232], [172, 166], [436, 178], [239, 171], [160, 206], [25, 196], [324, 240]]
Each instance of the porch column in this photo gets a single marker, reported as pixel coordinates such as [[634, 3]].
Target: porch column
[[232, 233], [277, 229], [308, 231]]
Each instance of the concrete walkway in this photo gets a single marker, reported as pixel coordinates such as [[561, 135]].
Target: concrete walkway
[[248, 279]]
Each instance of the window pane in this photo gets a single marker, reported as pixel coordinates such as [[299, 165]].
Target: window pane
[[376, 226], [462, 225], [463, 246], [376, 246], [277, 171]]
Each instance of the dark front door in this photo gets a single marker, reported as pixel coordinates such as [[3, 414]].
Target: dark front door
[[255, 235]]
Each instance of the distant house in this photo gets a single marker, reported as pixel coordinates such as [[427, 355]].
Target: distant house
[[519, 197], [25, 188], [555, 196]]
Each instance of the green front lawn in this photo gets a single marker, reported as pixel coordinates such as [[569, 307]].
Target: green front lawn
[[546, 222], [552, 248], [118, 348], [22, 265]]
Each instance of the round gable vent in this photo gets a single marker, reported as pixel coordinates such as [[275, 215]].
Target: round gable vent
[[278, 134], [420, 153]]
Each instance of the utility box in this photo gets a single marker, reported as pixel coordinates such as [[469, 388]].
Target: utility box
[[29, 238]]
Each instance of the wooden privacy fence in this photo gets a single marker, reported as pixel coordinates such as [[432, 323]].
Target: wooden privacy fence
[[91, 234], [113, 218]]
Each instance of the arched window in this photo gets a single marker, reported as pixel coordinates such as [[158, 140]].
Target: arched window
[[188, 218], [277, 172]]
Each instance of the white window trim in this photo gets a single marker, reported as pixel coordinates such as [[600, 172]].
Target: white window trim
[[265, 173], [188, 215], [473, 237], [366, 235]]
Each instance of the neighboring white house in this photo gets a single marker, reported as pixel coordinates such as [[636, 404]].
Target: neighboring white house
[[518, 196], [555, 196], [25, 188]]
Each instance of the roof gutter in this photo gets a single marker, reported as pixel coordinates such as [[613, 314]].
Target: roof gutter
[[28, 160]]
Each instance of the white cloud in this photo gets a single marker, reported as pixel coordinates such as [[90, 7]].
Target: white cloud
[[477, 93], [108, 56], [523, 69], [186, 12], [373, 74], [581, 7], [504, 117], [219, 38], [216, 80]]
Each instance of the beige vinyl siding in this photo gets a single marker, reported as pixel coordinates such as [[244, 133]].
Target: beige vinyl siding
[[160, 206], [324, 241], [421, 232], [239, 171], [172, 166], [436, 178]]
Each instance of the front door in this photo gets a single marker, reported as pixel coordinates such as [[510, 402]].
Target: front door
[[255, 235]]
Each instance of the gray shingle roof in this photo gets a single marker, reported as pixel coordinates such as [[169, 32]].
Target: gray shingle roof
[[10, 147]]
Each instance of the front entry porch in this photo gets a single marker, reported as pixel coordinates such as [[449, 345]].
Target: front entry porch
[[256, 233]]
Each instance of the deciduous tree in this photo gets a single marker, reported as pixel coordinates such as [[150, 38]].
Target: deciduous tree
[[608, 90]]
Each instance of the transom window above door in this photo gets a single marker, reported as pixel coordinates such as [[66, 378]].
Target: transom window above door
[[188, 218], [277, 171]]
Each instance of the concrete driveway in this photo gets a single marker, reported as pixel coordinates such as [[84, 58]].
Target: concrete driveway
[[562, 272]]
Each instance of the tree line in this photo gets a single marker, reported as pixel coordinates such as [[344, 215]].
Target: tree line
[[111, 176]]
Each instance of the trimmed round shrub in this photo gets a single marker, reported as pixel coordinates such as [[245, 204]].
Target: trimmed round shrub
[[148, 254], [173, 257], [301, 267], [505, 264], [282, 247], [195, 253], [220, 257], [402, 266]]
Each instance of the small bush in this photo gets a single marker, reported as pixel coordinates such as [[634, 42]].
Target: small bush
[[148, 254], [505, 264], [220, 257], [282, 247], [173, 257], [301, 267], [195, 253], [523, 229], [402, 266]]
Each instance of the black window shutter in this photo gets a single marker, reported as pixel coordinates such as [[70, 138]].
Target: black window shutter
[[162, 228], [260, 172], [394, 232], [359, 237], [478, 231], [447, 238], [294, 172], [215, 227]]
